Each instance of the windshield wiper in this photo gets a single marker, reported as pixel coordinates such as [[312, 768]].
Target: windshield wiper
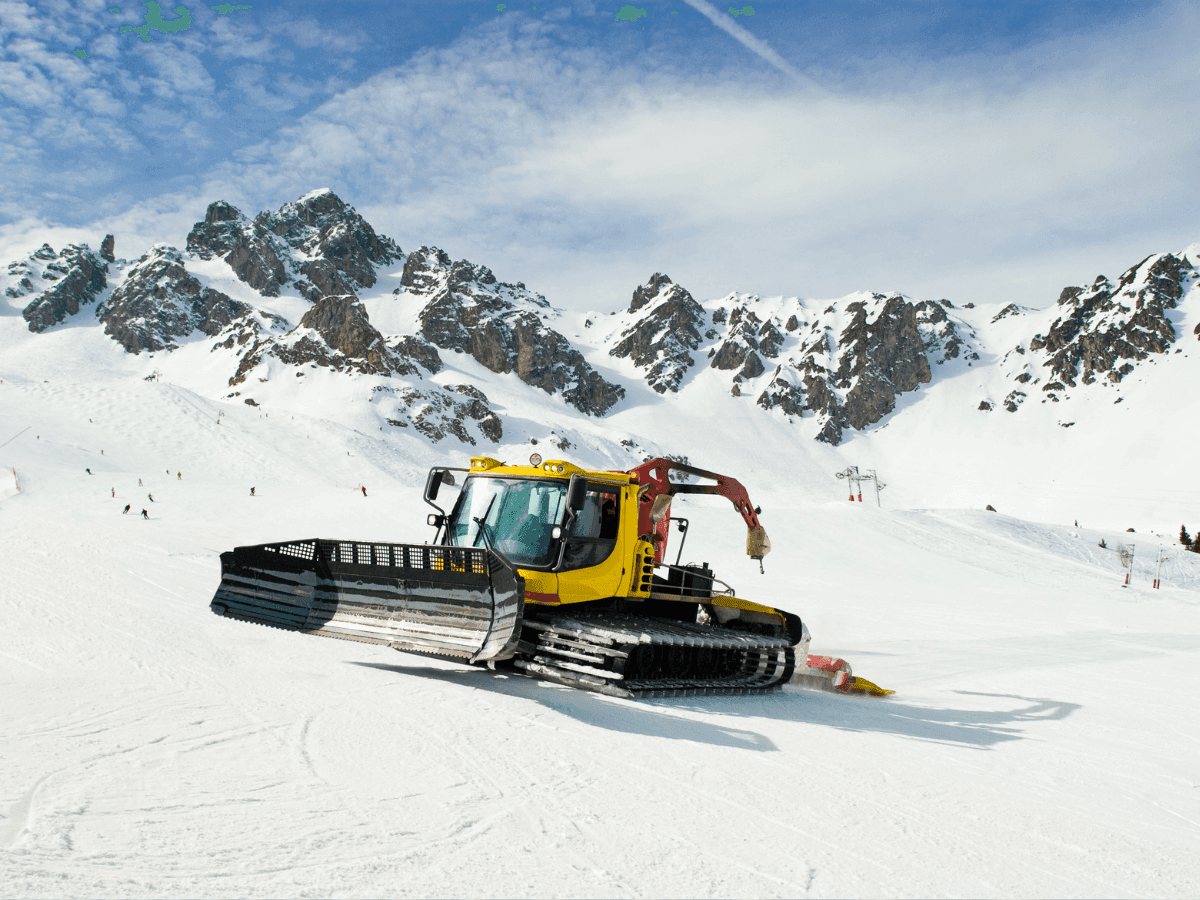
[[481, 521]]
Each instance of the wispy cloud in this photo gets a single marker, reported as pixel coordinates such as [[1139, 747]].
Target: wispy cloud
[[725, 22]]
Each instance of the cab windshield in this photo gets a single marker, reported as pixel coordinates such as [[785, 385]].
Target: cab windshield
[[512, 515]]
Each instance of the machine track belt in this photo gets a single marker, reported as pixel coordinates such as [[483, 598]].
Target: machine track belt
[[632, 656]]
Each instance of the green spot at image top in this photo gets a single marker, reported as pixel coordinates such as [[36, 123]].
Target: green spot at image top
[[114, 9], [225, 9], [501, 7], [82, 54], [630, 14], [744, 11]]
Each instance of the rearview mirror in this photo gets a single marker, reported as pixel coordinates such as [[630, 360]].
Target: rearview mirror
[[447, 478]]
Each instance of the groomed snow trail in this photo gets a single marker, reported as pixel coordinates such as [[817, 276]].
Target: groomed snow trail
[[1041, 741]]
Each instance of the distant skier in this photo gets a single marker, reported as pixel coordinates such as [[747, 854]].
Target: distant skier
[[151, 496], [125, 510], [364, 490], [251, 492], [140, 483], [89, 471], [179, 475], [114, 492], [145, 515]]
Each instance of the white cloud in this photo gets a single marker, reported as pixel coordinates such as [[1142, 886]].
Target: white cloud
[[977, 179], [974, 180]]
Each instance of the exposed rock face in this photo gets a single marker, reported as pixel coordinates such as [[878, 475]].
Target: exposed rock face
[[660, 340], [335, 334], [847, 378], [882, 358], [501, 327], [438, 413], [1099, 328], [250, 251], [419, 351], [319, 242], [106, 248], [159, 301], [68, 281]]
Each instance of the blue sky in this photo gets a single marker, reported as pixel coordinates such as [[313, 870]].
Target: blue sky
[[976, 151]]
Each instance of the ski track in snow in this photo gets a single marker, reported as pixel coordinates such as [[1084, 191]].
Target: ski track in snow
[[1041, 741]]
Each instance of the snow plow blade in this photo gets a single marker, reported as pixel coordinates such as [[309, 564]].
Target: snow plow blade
[[832, 674], [463, 603]]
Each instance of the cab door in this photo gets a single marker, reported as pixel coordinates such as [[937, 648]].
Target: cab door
[[594, 559]]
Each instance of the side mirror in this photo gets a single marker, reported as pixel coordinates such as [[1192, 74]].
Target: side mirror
[[447, 478], [575, 493], [433, 483]]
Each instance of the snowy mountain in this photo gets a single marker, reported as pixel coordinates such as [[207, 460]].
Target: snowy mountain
[[308, 308]]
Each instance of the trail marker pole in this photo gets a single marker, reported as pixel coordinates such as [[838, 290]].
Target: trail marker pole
[[1162, 558], [15, 436]]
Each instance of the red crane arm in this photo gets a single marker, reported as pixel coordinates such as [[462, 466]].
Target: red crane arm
[[653, 474]]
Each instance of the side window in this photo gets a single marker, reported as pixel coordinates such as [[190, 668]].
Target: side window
[[594, 534]]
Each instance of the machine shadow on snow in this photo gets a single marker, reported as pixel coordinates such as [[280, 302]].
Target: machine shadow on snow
[[628, 716], [980, 728]]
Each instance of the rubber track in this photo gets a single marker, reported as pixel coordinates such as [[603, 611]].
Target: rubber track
[[631, 656]]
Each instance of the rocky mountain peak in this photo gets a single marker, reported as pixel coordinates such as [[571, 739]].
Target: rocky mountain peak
[[1099, 331], [502, 327], [318, 242], [61, 284], [660, 340], [648, 291]]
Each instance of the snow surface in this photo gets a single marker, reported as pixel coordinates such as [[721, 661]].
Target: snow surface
[[1042, 740]]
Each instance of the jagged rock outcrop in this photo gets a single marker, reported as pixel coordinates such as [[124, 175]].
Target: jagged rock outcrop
[[255, 258], [500, 325], [106, 248], [1098, 329], [660, 340], [844, 365], [75, 278], [322, 245], [438, 412], [335, 333], [882, 358], [160, 301]]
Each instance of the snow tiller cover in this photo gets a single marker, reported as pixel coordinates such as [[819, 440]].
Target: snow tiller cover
[[464, 603]]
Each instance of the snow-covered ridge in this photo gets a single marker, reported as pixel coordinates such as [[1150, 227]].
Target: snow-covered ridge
[[845, 365]]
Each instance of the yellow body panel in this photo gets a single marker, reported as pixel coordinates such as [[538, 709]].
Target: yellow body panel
[[628, 570]]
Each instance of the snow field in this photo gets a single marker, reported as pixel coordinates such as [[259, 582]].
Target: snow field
[[1041, 741]]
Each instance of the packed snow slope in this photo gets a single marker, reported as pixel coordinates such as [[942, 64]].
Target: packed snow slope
[[1041, 741]]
